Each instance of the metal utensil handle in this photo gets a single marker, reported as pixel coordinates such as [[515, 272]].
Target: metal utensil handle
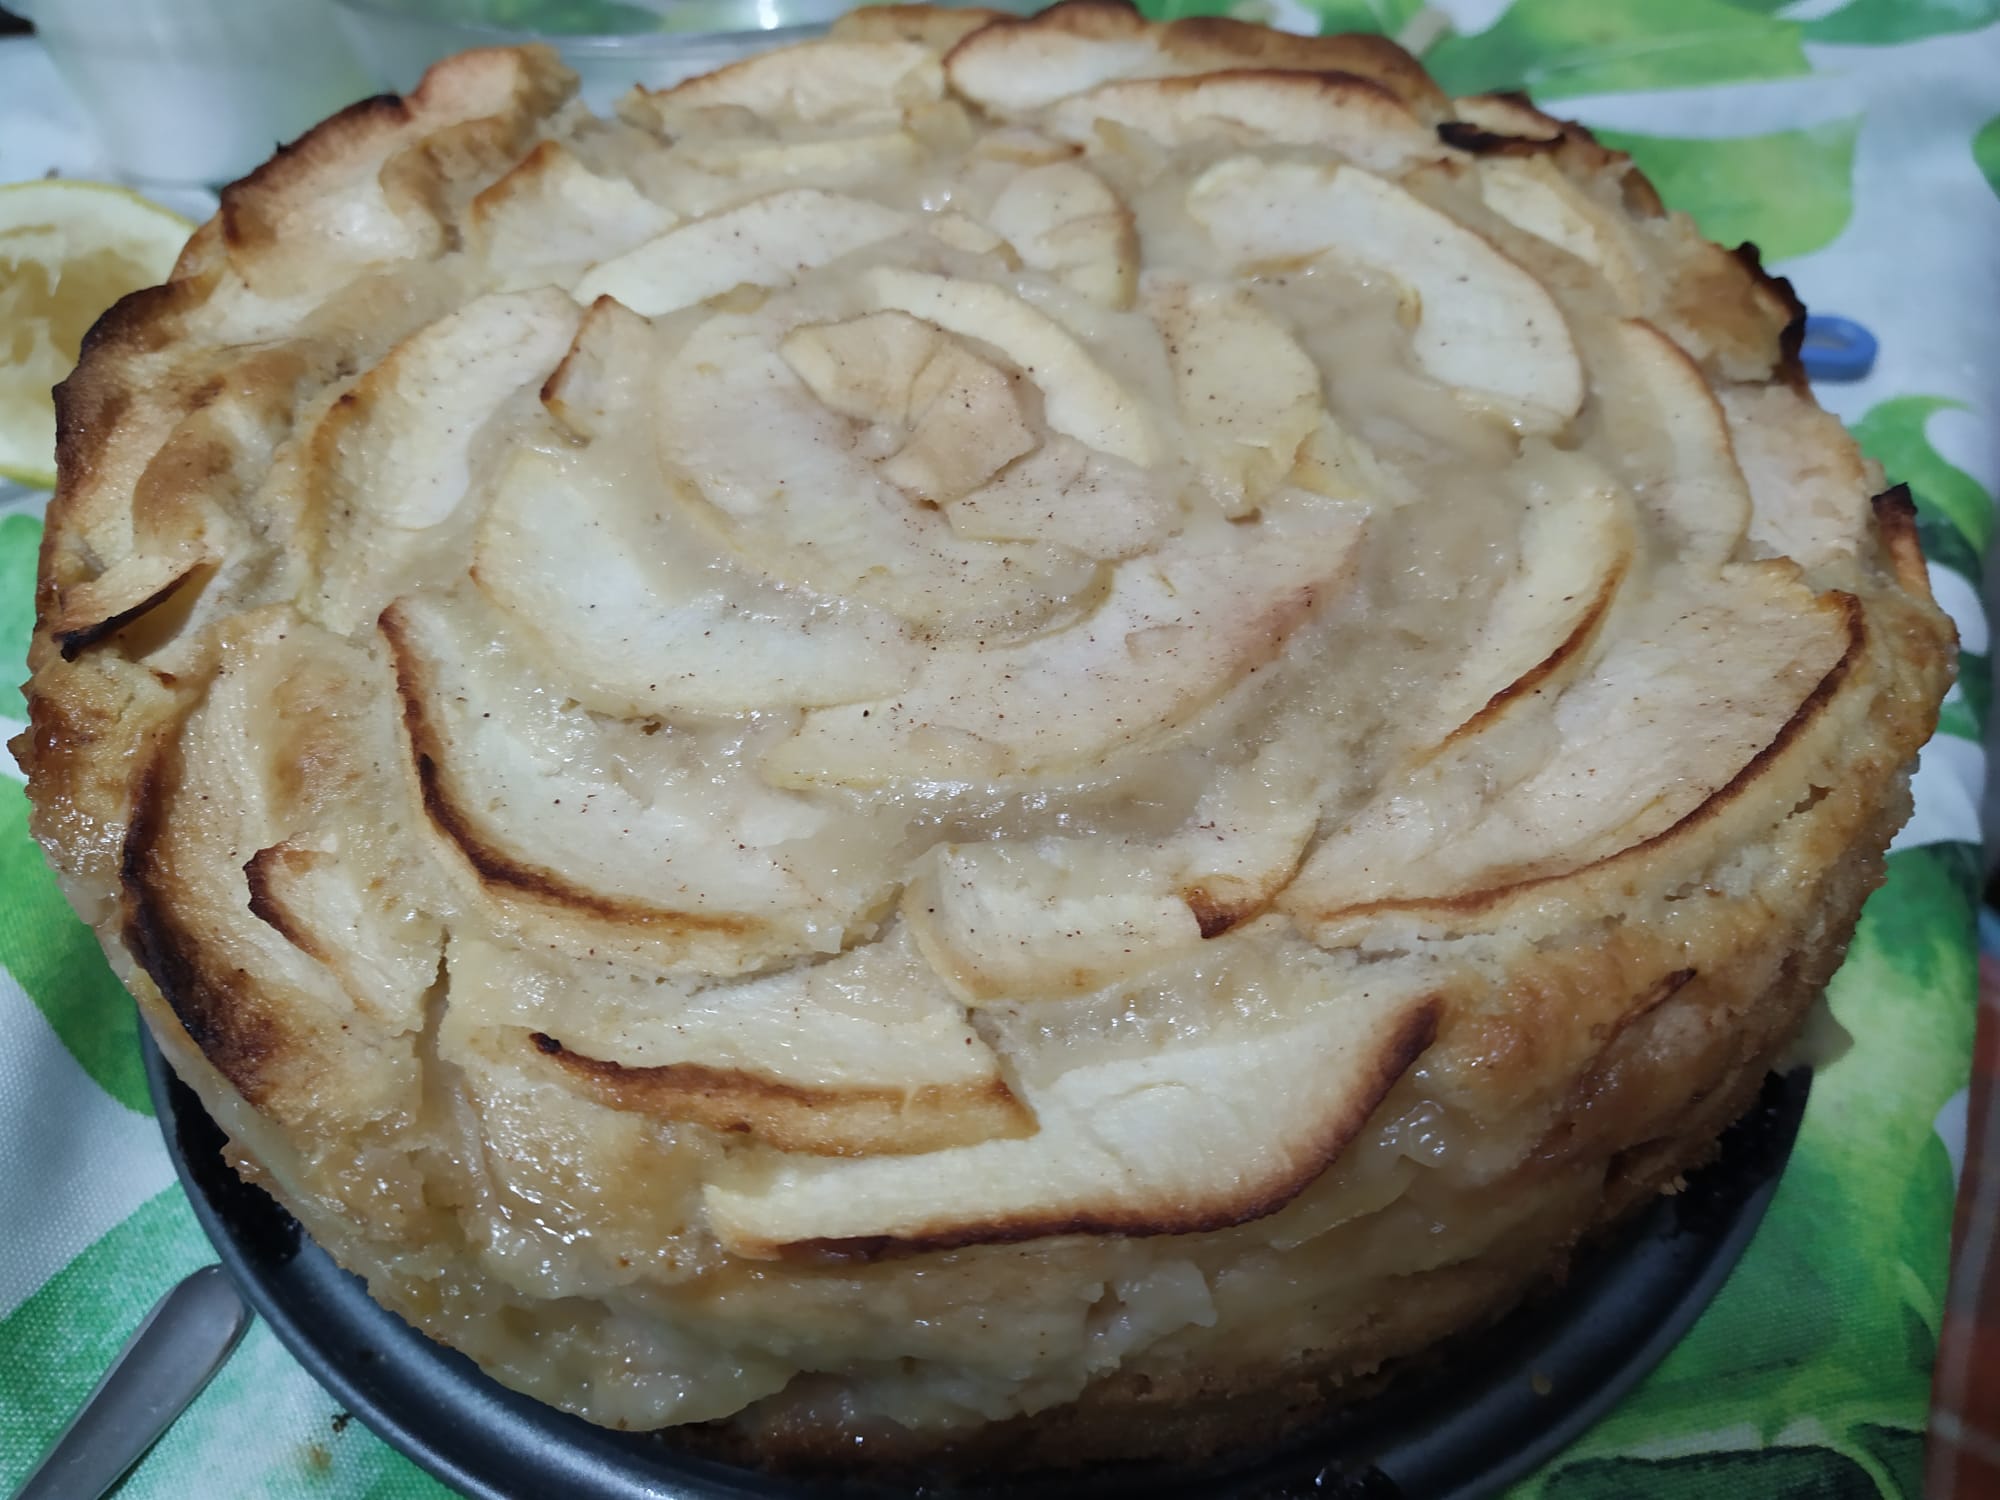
[[163, 1366]]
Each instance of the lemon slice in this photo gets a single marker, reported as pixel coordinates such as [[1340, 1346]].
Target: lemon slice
[[68, 250]]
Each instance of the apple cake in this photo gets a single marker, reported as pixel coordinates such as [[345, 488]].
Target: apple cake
[[994, 726]]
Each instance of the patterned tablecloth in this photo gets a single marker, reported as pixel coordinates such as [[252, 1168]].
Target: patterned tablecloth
[[1859, 144]]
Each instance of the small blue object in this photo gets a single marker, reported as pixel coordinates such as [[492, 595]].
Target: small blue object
[[1837, 349]]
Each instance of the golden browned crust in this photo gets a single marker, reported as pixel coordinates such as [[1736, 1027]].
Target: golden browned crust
[[492, 865], [1522, 688], [461, 122], [1202, 44], [1464, 135], [1509, 124], [72, 638], [938, 29], [1615, 1124], [1253, 1200], [1811, 713], [228, 1020], [1896, 521], [1776, 299], [1283, 86], [1215, 916], [794, 1118], [270, 875], [249, 784]]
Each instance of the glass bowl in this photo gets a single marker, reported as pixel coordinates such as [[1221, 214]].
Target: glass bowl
[[611, 44], [196, 91]]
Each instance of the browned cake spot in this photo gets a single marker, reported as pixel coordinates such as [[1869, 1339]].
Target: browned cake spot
[[1397, 1051], [226, 1019], [496, 866], [857, 1120], [1466, 136]]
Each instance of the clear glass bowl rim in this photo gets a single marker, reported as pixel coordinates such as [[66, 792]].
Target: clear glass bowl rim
[[629, 43]]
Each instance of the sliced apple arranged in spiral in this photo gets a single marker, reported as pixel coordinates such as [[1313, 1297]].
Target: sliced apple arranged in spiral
[[551, 217], [1532, 194], [1671, 442], [395, 456], [750, 454], [1483, 325], [1249, 395], [1079, 397], [1648, 734], [687, 632], [1177, 627], [1017, 920], [1061, 218], [1348, 115], [821, 83], [880, 1058], [765, 242], [659, 858], [962, 414], [1127, 1143]]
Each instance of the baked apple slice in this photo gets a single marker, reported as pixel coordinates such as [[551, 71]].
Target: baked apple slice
[[765, 242], [1482, 323]]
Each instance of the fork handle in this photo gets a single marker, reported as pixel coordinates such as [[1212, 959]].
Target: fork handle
[[163, 1366]]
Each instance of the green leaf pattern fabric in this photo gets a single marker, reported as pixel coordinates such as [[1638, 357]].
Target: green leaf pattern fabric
[[1558, 49], [1858, 144], [1725, 184], [1986, 152], [1881, 22]]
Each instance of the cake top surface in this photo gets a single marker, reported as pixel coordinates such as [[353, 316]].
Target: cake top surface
[[980, 629]]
